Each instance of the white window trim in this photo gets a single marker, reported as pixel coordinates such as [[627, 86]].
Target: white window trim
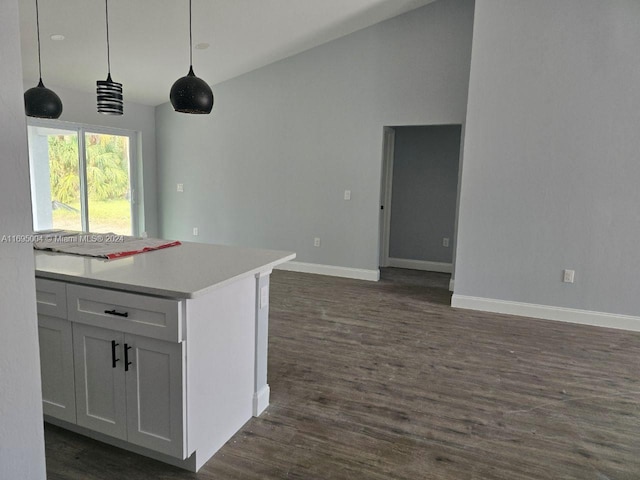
[[135, 165]]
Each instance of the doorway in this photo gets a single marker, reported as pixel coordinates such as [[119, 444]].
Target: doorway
[[419, 196]]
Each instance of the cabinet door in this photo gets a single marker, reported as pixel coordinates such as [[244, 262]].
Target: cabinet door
[[100, 386], [155, 395], [56, 367]]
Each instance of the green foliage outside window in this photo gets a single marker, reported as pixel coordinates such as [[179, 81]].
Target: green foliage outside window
[[107, 167]]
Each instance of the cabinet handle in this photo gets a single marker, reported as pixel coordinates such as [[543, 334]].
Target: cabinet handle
[[113, 354], [116, 313], [126, 357]]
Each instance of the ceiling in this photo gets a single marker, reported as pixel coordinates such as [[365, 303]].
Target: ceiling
[[150, 38]]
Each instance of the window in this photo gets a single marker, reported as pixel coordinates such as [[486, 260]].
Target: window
[[82, 178]]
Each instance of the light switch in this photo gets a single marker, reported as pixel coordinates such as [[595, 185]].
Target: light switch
[[347, 194]]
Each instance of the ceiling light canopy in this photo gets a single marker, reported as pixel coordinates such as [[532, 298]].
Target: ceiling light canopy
[[39, 101], [190, 94], [110, 100]]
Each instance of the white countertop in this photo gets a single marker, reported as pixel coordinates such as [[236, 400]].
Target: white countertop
[[184, 271]]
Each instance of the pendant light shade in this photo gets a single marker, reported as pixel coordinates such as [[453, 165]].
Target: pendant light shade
[[39, 101], [110, 99], [109, 96], [190, 94]]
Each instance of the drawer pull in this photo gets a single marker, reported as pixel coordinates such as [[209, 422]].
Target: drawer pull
[[113, 354], [126, 357], [116, 313]]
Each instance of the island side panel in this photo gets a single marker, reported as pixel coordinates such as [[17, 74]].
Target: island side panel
[[261, 387], [220, 330]]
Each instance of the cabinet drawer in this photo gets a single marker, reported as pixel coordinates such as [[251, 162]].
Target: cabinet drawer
[[126, 312], [51, 298]]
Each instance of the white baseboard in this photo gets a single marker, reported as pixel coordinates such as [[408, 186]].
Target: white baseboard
[[451, 284], [420, 265], [571, 315], [261, 400], [332, 270]]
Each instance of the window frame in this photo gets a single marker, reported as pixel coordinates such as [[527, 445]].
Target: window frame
[[134, 165]]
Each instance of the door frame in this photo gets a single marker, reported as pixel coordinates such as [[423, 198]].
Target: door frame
[[386, 187], [386, 194]]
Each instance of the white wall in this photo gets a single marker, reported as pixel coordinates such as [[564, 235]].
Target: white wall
[[269, 166], [80, 107], [551, 170], [21, 431]]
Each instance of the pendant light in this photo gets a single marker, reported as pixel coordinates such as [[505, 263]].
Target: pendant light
[[39, 101], [190, 94], [109, 92]]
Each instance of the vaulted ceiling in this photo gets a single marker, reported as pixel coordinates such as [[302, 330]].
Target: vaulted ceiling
[[150, 38]]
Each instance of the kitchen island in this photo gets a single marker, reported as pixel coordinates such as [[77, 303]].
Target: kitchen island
[[162, 353]]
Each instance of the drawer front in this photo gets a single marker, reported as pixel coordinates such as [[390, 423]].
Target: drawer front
[[51, 298], [126, 312]]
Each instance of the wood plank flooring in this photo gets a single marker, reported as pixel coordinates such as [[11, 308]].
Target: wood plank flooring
[[386, 381]]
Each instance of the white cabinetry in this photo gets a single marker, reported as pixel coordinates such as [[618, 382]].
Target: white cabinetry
[[146, 364], [155, 395], [129, 386], [135, 396], [56, 351], [124, 379], [100, 390]]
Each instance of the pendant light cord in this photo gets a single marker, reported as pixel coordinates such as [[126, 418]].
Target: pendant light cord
[[38, 29], [106, 8], [190, 38]]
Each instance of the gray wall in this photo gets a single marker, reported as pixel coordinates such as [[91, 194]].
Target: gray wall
[[269, 166], [424, 192], [551, 169], [21, 432], [80, 107]]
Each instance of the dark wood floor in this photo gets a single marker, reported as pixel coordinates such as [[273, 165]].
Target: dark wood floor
[[386, 381]]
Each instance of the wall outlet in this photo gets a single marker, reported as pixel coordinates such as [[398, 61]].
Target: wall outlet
[[180, 187], [195, 231], [445, 242], [568, 276], [316, 242], [347, 194]]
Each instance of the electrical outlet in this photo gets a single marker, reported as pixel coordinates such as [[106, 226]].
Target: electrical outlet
[[180, 187], [568, 276], [316, 242], [195, 231], [347, 194], [445, 242]]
